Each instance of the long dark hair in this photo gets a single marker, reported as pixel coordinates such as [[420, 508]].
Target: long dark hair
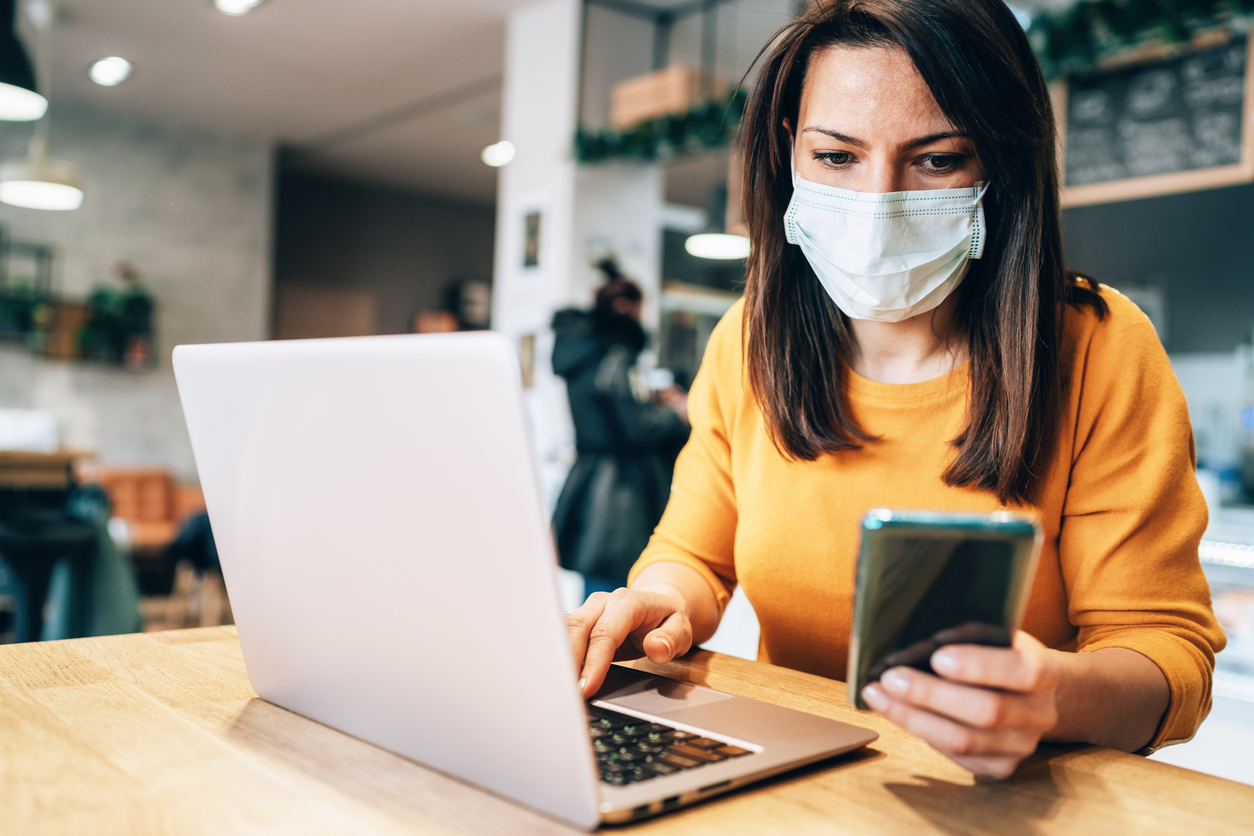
[[976, 60]]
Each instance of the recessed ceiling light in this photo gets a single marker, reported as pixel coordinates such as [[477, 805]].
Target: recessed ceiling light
[[236, 7], [498, 153], [111, 71]]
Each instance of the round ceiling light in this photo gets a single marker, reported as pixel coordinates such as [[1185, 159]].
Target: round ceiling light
[[717, 245], [111, 71], [236, 8], [498, 153]]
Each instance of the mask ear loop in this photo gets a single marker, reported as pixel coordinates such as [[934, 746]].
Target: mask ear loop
[[792, 161]]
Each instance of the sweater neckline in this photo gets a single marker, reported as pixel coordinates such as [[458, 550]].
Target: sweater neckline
[[949, 385]]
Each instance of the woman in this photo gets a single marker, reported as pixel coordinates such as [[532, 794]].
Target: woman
[[939, 358], [617, 489]]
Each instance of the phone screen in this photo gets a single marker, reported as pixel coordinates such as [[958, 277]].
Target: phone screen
[[922, 586]]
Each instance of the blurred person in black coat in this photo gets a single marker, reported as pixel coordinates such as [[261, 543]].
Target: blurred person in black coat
[[626, 438]]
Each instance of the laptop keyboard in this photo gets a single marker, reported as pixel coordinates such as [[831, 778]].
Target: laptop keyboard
[[629, 749]]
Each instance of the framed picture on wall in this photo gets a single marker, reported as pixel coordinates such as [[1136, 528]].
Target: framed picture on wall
[[531, 239]]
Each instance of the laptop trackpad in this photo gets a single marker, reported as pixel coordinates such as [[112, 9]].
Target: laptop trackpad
[[656, 695]]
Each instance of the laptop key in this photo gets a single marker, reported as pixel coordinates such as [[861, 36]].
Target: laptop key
[[704, 743], [679, 761], [732, 751], [695, 753], [661, 768], [681, 735]]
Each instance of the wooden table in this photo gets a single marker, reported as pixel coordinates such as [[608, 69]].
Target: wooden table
[[161, 733]]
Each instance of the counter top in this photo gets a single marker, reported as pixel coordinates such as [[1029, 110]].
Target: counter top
[[161, 733]]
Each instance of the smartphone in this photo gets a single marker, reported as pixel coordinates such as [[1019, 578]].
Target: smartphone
[[930, 578]]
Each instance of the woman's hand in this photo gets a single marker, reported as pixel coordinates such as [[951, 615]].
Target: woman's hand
[[988, 708], [626, 624]]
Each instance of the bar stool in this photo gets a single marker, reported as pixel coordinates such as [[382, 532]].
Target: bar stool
[[32, 541]]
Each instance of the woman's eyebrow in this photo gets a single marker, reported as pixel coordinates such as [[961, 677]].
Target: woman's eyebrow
[[930, 138], [834, 135], [913, 143]]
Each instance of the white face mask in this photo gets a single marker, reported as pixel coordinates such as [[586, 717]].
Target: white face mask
[[886, 257]]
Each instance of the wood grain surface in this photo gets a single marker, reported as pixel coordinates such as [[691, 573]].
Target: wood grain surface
[[161, 733]]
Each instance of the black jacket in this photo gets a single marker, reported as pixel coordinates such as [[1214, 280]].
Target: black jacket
[[620, 482]]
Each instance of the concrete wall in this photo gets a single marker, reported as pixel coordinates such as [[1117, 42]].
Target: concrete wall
[[400, 247], [192, 211]]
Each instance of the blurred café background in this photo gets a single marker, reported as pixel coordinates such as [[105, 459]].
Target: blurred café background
[[184, 171]]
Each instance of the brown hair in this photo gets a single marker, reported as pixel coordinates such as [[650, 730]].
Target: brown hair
[[617, 286], [976, 60]]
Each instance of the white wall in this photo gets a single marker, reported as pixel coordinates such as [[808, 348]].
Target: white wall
[[192, 211]]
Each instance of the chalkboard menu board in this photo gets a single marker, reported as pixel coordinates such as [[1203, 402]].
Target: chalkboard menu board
[[1174, 125]]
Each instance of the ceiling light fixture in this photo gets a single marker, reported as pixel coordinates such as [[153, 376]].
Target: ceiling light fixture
[[718, 245], [19, 100], [111, 71], [40, 182], [498, 153], [235, 8]]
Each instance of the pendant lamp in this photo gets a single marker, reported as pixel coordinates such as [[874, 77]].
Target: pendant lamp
[[39, 181], [716, 242], [19, 100]]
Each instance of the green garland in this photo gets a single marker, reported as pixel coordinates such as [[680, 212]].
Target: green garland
[[705, 126], [1076, 40]]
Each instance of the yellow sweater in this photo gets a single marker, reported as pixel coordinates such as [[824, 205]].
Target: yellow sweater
[[1121, 509]]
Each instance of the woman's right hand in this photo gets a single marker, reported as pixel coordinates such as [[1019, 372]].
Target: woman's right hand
[[626, 624]]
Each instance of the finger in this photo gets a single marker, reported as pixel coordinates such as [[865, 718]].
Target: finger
[[952, 739], [580, 622], [673, 638], [625, 612], [1010, 669], [1000, 768], [973, 706]]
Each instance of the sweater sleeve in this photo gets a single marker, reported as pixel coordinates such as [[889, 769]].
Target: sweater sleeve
[[1134, 516], [699, 526]]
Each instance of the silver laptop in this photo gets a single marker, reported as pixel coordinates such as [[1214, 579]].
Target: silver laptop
[[391, 571]]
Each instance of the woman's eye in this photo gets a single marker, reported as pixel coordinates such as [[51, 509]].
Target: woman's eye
[[834, 158], [942, 162]]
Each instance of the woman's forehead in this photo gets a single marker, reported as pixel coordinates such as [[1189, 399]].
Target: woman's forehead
[[869, 89]]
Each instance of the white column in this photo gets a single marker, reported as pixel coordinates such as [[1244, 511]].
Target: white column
[[538, 117], [585, 213]]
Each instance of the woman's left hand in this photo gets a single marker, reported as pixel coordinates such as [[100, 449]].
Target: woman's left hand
[[988, 708]]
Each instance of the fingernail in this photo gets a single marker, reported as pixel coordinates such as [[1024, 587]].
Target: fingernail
[[895, 682], [669, 650], [944, 662], [583, 683], [874, 696]]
